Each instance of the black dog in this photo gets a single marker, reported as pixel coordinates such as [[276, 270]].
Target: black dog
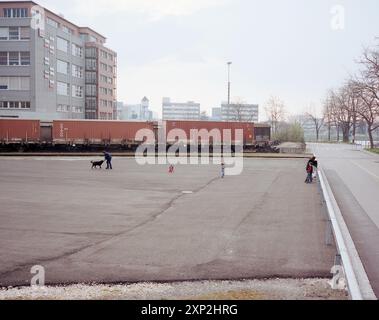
[[96, 164]]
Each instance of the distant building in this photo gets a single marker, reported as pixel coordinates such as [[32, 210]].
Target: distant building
[[204, 116], [180, 111], [138, 112], [240, 112], [50, 68], [216, 114], [309, 127], [120, 109]]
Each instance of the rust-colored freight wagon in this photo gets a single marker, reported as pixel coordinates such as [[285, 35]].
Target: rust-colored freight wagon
[[19, 131], [98, 132], [217, 131]]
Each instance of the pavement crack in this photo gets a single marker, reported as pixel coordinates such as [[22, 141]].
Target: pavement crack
[[152, 218]]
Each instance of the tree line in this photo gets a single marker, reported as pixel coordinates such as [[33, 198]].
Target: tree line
[[355, 101]]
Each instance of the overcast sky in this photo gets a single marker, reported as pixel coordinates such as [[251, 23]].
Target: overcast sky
[[179, 48]]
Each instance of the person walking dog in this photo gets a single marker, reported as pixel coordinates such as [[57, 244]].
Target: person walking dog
[[108, 159]]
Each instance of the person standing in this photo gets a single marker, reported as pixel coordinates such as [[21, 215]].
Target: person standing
[[222, 170], [314, 164], [309, 169], [108, 159]]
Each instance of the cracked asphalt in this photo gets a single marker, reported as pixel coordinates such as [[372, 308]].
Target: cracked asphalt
[[135, 223]]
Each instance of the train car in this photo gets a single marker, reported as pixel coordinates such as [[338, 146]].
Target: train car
[[97, 132], [17, 131], [187, 126], [262, 133]]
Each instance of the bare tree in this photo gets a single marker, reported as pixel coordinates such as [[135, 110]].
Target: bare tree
[[342, 110], [317, 121], [276, 113], [366, 91], [239, 111], [368, 108], [329, 121]]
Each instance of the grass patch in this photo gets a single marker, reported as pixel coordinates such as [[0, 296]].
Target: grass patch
[[375, 150]]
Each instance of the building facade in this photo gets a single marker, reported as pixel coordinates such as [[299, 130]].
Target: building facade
[[136, 111], [216, 114], [180, 111], [240, 112], [52, 69]]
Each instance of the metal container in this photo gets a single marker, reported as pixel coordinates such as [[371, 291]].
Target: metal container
[[17, 131], [262, 132], [212, 127], [98, 132]]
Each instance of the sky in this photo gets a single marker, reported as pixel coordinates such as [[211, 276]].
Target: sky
[[293, 49]]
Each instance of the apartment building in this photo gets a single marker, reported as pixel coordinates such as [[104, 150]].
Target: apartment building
[[180, 111], [51, 68], [240, 112]]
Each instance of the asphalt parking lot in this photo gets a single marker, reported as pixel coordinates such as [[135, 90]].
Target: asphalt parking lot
[[139, 223]]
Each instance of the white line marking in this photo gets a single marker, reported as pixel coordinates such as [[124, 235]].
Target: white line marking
[[365, 169]]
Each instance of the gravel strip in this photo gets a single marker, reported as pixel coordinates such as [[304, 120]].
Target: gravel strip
[[273, 289]]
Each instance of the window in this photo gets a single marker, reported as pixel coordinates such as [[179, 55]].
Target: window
[[91, 77], [62, 44], [3, 33], [77, 71], [62, 66], [15, 12], [14, 105], [52, 22], [3, 104], [77, 51], [67, 30], [14, 58], [4, 83], [3, 58], [77, 91], [25, 58], [14, 33], [63, 108], [25, 83], [106, 79], [91, 90], [25, 105], [7, 13], [91, 103], [91, 64], [24, 33], [91, 53], [77, 109], [15, 83], [63, 88]]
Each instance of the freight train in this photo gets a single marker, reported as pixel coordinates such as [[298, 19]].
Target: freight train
[[66, 135]]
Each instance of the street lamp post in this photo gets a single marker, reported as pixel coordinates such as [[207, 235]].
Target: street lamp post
[[229, 64]]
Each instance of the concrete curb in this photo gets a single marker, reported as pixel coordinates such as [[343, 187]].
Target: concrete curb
[[357, 280], [132, 155]]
